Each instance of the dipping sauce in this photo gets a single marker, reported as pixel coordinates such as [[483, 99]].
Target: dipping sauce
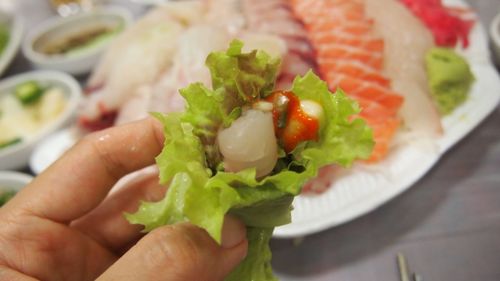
[[27, 110], [77, 41]]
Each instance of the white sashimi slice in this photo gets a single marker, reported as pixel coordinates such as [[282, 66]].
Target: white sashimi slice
[[226, 14], [163, 95], [138, 56], [189, 66], [406, 43], [136, 107], [271, 44]]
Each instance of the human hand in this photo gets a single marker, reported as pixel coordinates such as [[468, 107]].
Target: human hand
[[63, 226]]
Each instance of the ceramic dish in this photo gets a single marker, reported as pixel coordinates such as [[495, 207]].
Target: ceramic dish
[[495, 38], [15, 30], [364, 188], [13, 181], [16, 156], [52, 147], [74, 44]]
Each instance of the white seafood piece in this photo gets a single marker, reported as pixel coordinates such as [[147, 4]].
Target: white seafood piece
[[406, 43], [271, 44], [189, 66], [136, 107], [163, 96], [226, 14], [249, 142], [135, 59]]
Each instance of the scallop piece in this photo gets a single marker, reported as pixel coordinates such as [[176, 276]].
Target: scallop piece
[[250, 142]]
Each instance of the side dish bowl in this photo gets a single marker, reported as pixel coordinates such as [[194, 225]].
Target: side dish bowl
[[495, 38], [17, 155], [14, 28], [74, 44], [12, 182]]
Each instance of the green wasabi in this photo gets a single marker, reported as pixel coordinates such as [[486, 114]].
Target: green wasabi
[[450, 78]]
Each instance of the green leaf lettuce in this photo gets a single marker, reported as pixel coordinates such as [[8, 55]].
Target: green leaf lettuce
[[202, 193]]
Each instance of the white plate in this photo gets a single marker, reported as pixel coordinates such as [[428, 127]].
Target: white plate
[[15, 34], [364, 188]]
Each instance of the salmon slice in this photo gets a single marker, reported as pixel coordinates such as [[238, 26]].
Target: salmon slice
[[370, 61], [342, 52], [350, 56], [383, 133], [355, 29], [349, 40], [353, 73], [355, 87], [383, 124], [358, 71]]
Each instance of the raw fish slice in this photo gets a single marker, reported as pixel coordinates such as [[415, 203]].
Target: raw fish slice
[[294, 65], [125, 67], [300, 46], [326, 177], [284, 28], [407, 42], [265, 6], [300, 56], [188, 67], [193, 46], [373, 62], [347, 39], [171, 12], [360, 72], [225, 14], [383, 133], [354, 28], [350, 56], [274, 45], [333, 65], [351, 52], [384, 124], [367, 90]]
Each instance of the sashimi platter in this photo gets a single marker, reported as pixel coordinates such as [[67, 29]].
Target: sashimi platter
[[418, 72]]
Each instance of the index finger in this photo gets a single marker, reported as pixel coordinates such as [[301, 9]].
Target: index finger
[[81, 179]]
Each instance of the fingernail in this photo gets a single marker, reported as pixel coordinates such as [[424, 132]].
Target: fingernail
[[233, 232]]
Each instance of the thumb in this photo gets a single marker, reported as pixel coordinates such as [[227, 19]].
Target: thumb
[[182, 252]]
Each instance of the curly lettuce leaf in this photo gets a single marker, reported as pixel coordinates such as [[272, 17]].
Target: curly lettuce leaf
[[238, 79], [202, 195]]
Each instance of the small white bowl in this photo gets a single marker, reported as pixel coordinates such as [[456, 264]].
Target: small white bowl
[[52, 147], [13, 181], [15, 26], [495, 38], [56, 29], [17, 155]]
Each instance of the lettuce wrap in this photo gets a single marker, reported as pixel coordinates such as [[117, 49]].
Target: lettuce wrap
[[201, 192]]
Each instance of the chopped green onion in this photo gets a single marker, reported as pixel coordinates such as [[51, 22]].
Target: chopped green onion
[[28, 92], [10, 142]]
